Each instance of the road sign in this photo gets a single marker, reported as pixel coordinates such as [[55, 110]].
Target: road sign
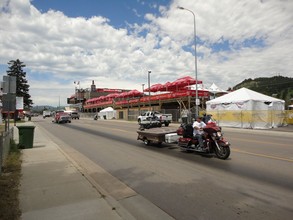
[[8, 102], [9, 84], [197, 102]]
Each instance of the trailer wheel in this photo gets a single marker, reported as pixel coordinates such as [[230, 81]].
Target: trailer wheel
[[146, 141], [166, 124]]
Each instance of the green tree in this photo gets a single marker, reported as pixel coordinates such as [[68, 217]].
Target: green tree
[[22, 86]]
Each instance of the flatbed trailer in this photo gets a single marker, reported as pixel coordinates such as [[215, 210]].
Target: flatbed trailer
[[155, 135]]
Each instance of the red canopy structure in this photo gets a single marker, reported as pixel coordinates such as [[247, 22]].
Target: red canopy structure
[[176, 89], [112, 95], [181, 83], [134, 93], [176, 85], [154, 88]]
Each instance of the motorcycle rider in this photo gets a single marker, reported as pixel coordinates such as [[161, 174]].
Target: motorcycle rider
[[198, 126]]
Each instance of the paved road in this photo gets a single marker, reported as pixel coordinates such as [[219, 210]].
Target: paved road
[[255, 183]]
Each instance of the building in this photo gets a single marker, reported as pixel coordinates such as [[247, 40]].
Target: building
[[171, 97]]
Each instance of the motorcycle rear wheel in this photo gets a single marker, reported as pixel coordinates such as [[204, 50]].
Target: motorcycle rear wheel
[[223, 153]]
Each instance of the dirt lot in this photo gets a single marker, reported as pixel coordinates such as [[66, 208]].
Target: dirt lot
[[9, 186]]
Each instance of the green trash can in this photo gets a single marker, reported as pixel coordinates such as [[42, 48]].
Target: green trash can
[[26, 136]]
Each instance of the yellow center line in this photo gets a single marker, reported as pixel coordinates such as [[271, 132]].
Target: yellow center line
[[255, 141], [233, 149], [262, 155], [116, 129]]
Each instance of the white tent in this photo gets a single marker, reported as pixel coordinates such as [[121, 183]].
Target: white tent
[[214, 89], [107, 113], [247, 109]]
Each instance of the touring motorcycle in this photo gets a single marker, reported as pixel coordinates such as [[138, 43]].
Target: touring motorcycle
[[213, 140]]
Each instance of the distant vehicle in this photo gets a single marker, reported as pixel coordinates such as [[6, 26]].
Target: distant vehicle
[[73, 114], [47, 113], [165, 119], [61, 117]]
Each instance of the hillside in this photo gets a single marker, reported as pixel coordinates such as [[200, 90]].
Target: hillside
[[278, 86]]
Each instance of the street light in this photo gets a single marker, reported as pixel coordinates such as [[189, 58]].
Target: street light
[[195, 62], [142, 88], [149, 72], [76, 92]]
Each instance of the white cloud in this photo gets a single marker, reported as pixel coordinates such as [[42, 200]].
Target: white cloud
[[70, 49]]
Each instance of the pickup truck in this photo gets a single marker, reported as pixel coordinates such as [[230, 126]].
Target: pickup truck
[[165, 119], [73, 114], [46, 114]]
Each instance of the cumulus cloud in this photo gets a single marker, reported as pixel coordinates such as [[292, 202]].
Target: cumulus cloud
[[256, 35]]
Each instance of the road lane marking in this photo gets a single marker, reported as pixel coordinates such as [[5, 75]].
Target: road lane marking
[[263, 155], [255, 141], [236, 150], [116, 129]]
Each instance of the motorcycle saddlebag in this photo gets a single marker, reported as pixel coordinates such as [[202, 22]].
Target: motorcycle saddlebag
[[183, 142]]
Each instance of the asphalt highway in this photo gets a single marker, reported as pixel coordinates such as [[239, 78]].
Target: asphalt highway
[[254, 183]]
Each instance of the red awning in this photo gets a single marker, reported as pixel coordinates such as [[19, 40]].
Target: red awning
[[177, 85], [113, 95], [180, 83], [135, 93], [154, 88], [122, 95]]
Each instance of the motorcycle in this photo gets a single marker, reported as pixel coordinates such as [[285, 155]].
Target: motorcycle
[[213, 140]]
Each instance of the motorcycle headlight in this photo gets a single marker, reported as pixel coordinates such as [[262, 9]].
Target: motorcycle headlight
[[219, 134]]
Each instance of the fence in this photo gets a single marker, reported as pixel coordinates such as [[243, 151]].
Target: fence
[[289, 117], [5, 138], [253, 119], [240, 117]]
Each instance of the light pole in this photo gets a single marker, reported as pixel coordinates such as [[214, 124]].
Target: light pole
[[77, 92], [195, 61], [142, 88], [149, 72]]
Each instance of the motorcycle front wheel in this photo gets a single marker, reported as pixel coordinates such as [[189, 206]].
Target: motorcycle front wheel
[[146, 141], [223, 153]]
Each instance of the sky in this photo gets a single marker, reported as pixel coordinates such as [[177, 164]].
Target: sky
[[116, 42]]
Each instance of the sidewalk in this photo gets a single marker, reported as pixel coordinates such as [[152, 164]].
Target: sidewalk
[[53, 188]]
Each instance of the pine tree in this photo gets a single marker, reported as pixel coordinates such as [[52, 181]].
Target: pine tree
[[22, 87]]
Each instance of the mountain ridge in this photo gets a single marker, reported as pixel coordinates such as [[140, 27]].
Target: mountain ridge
[[277, 86]]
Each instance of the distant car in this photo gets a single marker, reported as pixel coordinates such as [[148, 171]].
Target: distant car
[[74, 115], [47, 114], [62, 117]]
